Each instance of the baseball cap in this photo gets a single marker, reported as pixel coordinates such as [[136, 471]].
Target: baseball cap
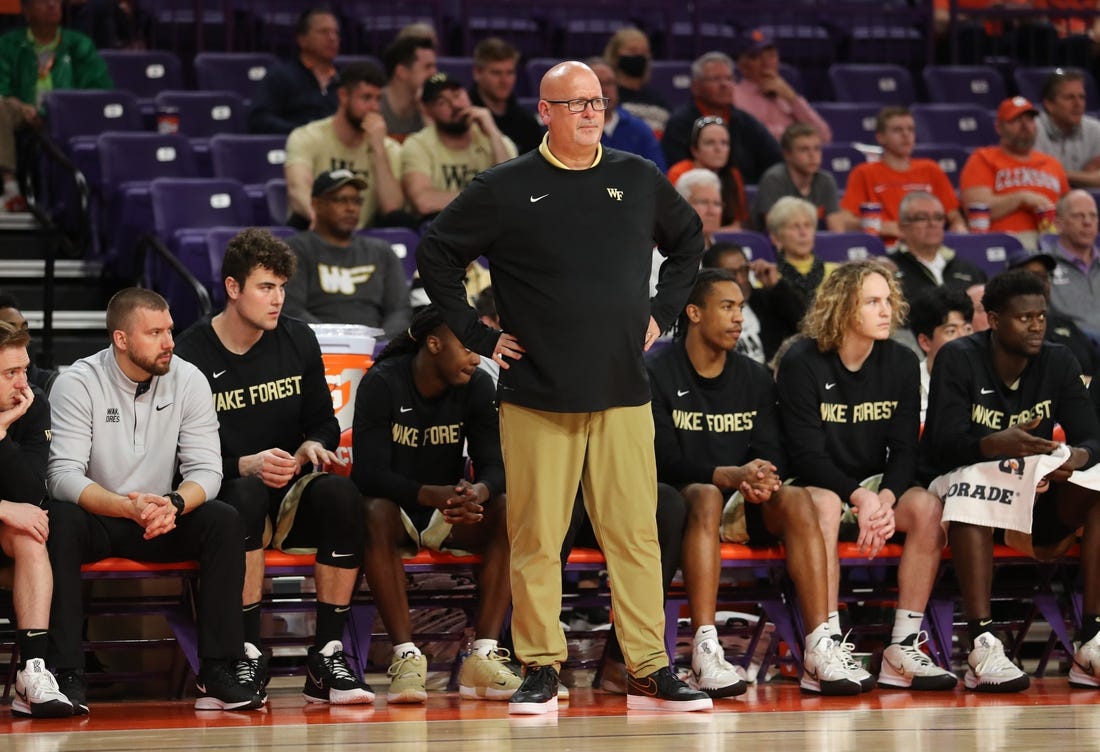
[[1023, 255], [1013, 107], [327, 182], [756, 41], [436, 84]]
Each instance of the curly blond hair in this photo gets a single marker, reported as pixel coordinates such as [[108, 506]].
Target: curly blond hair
[[834, 310]]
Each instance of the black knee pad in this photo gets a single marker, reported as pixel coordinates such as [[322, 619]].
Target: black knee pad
[[338, 511], [251, 498]]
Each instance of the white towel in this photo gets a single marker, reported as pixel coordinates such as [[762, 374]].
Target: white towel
[[1087, 478], [998, 493]]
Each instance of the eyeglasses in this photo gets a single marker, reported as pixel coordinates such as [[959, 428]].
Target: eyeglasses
[[924, 219], [598, 104], [345, 200]]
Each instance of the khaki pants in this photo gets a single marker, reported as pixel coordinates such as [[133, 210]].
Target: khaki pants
[[611, 454]]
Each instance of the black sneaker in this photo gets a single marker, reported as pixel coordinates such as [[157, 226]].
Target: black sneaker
[[220, 689], [538, 693], [252, 670], [329, 678], [661, 690], [72, 684]]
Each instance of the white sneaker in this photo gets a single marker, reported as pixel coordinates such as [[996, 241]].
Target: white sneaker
[[906, 666], [1085, 671], [825, 670], [37, 694], [408, 677], [855, 668], [487, 678], [990, 670], [712, 673]]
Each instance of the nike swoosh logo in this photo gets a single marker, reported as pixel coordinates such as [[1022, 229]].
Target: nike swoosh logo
[[406, 409], [218, 374], [1086, 667], [340, 556], [34, 634], [313, 679], [161, 407], [829, 386], [200, 687], [680, 393], [343, 610], [986, 391], [540, 198]]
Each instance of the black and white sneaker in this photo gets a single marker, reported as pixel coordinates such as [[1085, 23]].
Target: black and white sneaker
[[329, 678], [662, 690], [74, 686], [220, 689], [252, 670], [37, 694], [538, 693]]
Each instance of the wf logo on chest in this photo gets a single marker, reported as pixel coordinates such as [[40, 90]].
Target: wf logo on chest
[[615, 193]]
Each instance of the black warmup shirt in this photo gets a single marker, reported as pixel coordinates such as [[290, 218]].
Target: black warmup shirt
[[24, 453], [275, 395], [401, 441], [968, 400], [703, 423], [840, 426]]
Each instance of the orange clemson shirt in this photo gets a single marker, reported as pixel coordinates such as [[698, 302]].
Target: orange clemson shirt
[[1041, 173]]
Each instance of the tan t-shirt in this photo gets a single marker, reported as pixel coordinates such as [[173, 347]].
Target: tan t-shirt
[[449, 170], [316, 146]]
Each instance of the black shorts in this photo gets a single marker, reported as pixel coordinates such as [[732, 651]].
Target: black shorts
[[1046, 527]]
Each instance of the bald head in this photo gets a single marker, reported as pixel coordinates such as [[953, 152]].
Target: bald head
[[560, 81], [574, 137]]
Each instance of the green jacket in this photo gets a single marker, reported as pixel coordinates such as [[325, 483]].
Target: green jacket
[[77, 65]]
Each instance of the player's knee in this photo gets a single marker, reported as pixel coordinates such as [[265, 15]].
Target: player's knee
[[796, 508], [383, 522], [704, 503], [827, 505]]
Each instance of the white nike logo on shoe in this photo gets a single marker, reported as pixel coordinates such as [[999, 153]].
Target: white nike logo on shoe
[[540, 198]]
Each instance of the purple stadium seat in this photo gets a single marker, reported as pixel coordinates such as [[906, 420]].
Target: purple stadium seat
[[882, 83], [990, 251], [1029, 83], [840, 159], [672, 78], [756, 245], [204, 114], [522, 25], [277, 202], [850, 121], [793, 76], [963, 124], [342, 60], [402, 240], [847, 246], [536, 68], [890, 42], [145, 74], [688, 39], [253, 160], [950, 158], [212, 242], [982, 85], [232, 71], [460, 69]]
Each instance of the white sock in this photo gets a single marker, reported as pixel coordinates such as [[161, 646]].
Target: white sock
[[404, 649], [824, 629], [834, 623], [905, 623], [483, 647], [706, 632]]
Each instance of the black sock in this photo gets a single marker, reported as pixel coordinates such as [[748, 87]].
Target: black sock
[[251, 614], [978, 627], [331, 620], [1090, 627], [32, 644]]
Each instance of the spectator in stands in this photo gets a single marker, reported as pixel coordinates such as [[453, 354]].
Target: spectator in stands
[[1074, 282], [416, 407], [628, 54], [304, 88], [9, 312], [772, 310], [343, 277], [494, 88], [886, 182], [1061, 330], [419, 30], [34, 60], [731, 448], [923, 261], [980, 322], [353, 139], [702, 189], [113, 460], [710, 150], [799, 175], [621, 129], [753, 149], [763, 93], [277, 447], [792, 226], [1065, 132], [998, 394], [408, 61], [937, 316], [25, 526], [460, 141], [849, 399], [1017, 183]]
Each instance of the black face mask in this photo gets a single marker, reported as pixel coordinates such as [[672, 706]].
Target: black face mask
[[634, 65]]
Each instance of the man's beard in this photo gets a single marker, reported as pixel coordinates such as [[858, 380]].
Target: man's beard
[[458, 128], [150, 365]]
